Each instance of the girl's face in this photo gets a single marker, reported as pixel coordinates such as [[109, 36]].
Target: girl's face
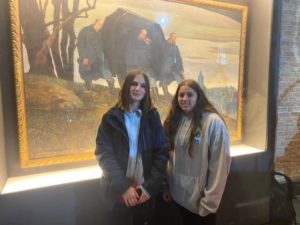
[[137, 89], [187, 99]]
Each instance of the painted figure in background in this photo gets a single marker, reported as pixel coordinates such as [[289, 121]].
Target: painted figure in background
[[138, 56], [92, 65], [199, 155], [172, 66], [132, 151]]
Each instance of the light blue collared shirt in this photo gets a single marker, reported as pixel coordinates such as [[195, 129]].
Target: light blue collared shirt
[[135, 164]]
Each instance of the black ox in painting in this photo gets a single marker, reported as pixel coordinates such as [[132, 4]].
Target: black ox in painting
[[131, 41]]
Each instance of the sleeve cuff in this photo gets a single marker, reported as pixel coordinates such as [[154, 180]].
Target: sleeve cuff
[[203, 211], [144, 191]]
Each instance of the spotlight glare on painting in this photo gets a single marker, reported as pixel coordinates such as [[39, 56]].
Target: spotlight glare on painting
[[162, 21]]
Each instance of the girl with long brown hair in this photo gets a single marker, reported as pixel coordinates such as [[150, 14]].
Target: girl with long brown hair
[[131, 149], [199, 155]]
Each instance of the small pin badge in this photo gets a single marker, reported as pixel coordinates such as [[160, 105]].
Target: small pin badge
[[197, 138]]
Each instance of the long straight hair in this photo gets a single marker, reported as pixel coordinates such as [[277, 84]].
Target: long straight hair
[[124, 95], [172, 121]]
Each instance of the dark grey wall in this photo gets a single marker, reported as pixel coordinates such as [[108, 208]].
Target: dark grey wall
[[60, 205], [245, 201]]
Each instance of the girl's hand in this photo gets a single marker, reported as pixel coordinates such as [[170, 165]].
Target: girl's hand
[[130, 197]]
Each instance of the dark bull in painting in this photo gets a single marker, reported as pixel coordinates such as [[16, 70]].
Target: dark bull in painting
[[131, 41]]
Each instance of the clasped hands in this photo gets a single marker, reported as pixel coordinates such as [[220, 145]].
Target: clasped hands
[[132, 198]]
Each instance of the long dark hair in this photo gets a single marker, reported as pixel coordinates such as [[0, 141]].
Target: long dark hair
[[124, 95], [173, 119]]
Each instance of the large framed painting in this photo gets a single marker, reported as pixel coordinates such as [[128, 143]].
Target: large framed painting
[[71, 57]]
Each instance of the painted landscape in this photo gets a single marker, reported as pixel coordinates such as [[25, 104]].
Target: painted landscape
[[63, 117]]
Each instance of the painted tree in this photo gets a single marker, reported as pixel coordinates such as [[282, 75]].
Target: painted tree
[[49, 54], [35, 37]]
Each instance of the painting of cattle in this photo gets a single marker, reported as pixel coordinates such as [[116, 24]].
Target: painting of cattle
[[75, 55]]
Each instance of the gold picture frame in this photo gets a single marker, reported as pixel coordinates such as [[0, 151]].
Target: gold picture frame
[[213, 50]]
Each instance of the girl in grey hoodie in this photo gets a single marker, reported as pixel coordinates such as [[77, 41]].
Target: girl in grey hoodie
[[199, 155]]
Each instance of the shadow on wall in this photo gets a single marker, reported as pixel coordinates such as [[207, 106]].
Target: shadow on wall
[[289, 163], [294, 144], [288, 90]]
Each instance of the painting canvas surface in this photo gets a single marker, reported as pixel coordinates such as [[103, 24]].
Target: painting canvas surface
[[62, 112]]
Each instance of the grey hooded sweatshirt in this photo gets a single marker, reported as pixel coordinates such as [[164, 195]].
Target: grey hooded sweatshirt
[[197, 183]]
